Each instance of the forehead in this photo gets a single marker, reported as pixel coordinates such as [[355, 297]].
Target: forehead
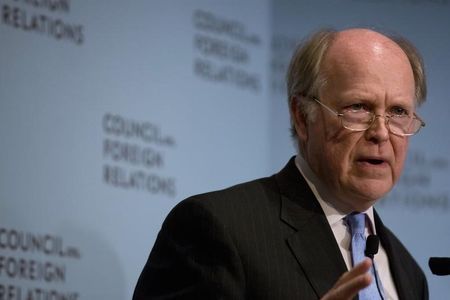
[[366, 61], [360, 41]]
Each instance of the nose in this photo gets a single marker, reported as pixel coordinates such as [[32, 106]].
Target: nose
[[378, 131]]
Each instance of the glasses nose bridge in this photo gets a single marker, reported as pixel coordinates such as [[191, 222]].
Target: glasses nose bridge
[[376, 116]]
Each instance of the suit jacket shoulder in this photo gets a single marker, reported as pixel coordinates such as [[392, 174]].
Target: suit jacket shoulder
[[257, 240]]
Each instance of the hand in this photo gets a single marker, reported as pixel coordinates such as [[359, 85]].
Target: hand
[[351, 282]]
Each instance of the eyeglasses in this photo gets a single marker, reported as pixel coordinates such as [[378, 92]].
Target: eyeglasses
[[360, 120]]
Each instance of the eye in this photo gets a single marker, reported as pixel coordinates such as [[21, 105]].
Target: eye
[[358, 107], [399, 111]]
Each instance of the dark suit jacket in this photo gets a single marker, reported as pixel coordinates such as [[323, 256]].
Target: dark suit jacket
[[264, 239]]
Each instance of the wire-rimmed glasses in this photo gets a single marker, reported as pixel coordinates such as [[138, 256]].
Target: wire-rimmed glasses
[[360, 120]]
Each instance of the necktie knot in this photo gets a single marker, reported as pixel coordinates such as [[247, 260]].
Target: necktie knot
[[357, 222]]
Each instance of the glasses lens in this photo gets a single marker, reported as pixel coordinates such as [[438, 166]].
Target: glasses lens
[[356, 119], [403, 125]]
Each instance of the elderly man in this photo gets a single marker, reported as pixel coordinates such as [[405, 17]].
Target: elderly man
[[300, 234]]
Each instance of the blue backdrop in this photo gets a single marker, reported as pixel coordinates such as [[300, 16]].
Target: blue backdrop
[[112, 112]]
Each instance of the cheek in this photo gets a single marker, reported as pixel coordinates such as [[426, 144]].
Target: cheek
[[335, 153], [330, 147], [341, 159], [341, 147], [400, 152]]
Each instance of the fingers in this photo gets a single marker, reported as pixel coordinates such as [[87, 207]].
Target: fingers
[[360, 269], [351, 282]]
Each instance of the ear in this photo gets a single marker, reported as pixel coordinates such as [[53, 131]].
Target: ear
[[299, 120]]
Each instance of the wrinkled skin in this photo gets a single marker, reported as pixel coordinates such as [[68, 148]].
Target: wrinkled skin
[[361, 67]]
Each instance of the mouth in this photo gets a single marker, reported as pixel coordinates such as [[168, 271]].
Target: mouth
[[372, 161]]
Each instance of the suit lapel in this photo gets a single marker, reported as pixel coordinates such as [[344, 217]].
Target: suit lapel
[[313, 244], [394, 262]]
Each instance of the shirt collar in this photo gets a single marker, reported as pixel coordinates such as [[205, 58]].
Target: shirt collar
[[324, 196]]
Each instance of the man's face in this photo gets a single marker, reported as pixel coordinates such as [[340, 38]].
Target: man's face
[[360, 167]]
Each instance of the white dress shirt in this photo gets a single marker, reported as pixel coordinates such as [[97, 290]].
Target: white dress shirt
[[341, 231]]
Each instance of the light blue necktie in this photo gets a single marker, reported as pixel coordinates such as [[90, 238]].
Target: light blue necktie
[[357, 222]]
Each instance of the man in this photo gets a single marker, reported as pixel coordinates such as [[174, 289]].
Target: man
[[352, 98]]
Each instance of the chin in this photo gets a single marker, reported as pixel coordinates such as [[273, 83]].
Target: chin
[[370, 191], [371, 194]]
